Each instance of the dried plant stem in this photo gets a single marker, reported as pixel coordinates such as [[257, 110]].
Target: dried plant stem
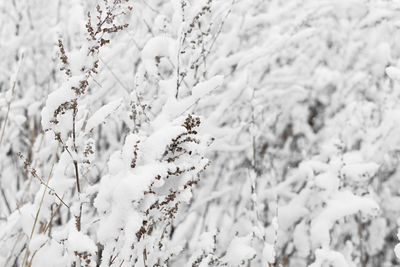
[[7, 114], [115, 76], [77, 176], [9, 102], [34, 174], [40, 206], [5, 121], [74, 161], [52, 217], [75, 111], [78, 218], [5, 200], [13, 248]]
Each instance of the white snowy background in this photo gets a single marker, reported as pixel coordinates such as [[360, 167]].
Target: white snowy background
[[199, 133]]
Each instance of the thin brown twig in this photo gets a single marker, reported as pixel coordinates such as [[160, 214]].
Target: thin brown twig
[[35, 175], [52, 217], [40, 206], [5, 200]]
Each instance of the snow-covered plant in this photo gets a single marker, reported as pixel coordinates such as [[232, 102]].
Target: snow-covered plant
[[205, 133], [139, 198]]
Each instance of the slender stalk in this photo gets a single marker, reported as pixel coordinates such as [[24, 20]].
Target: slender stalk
[[40, 206], [7, 114], [6, 119], [78, 218], [5, 200], [75, 112], [77, 176], [52, 217], [9, 102]]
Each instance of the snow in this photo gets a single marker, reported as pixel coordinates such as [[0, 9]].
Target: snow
[[174, 108], [301, 240], [356, 171], [55, 99], [327, 181], [239, 251], [393, 73], [100, 115], [206, 242], [77, 241], [290, 213], [206, 87], [269, 253], [158, 47], [340, 205], [329, 257]]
